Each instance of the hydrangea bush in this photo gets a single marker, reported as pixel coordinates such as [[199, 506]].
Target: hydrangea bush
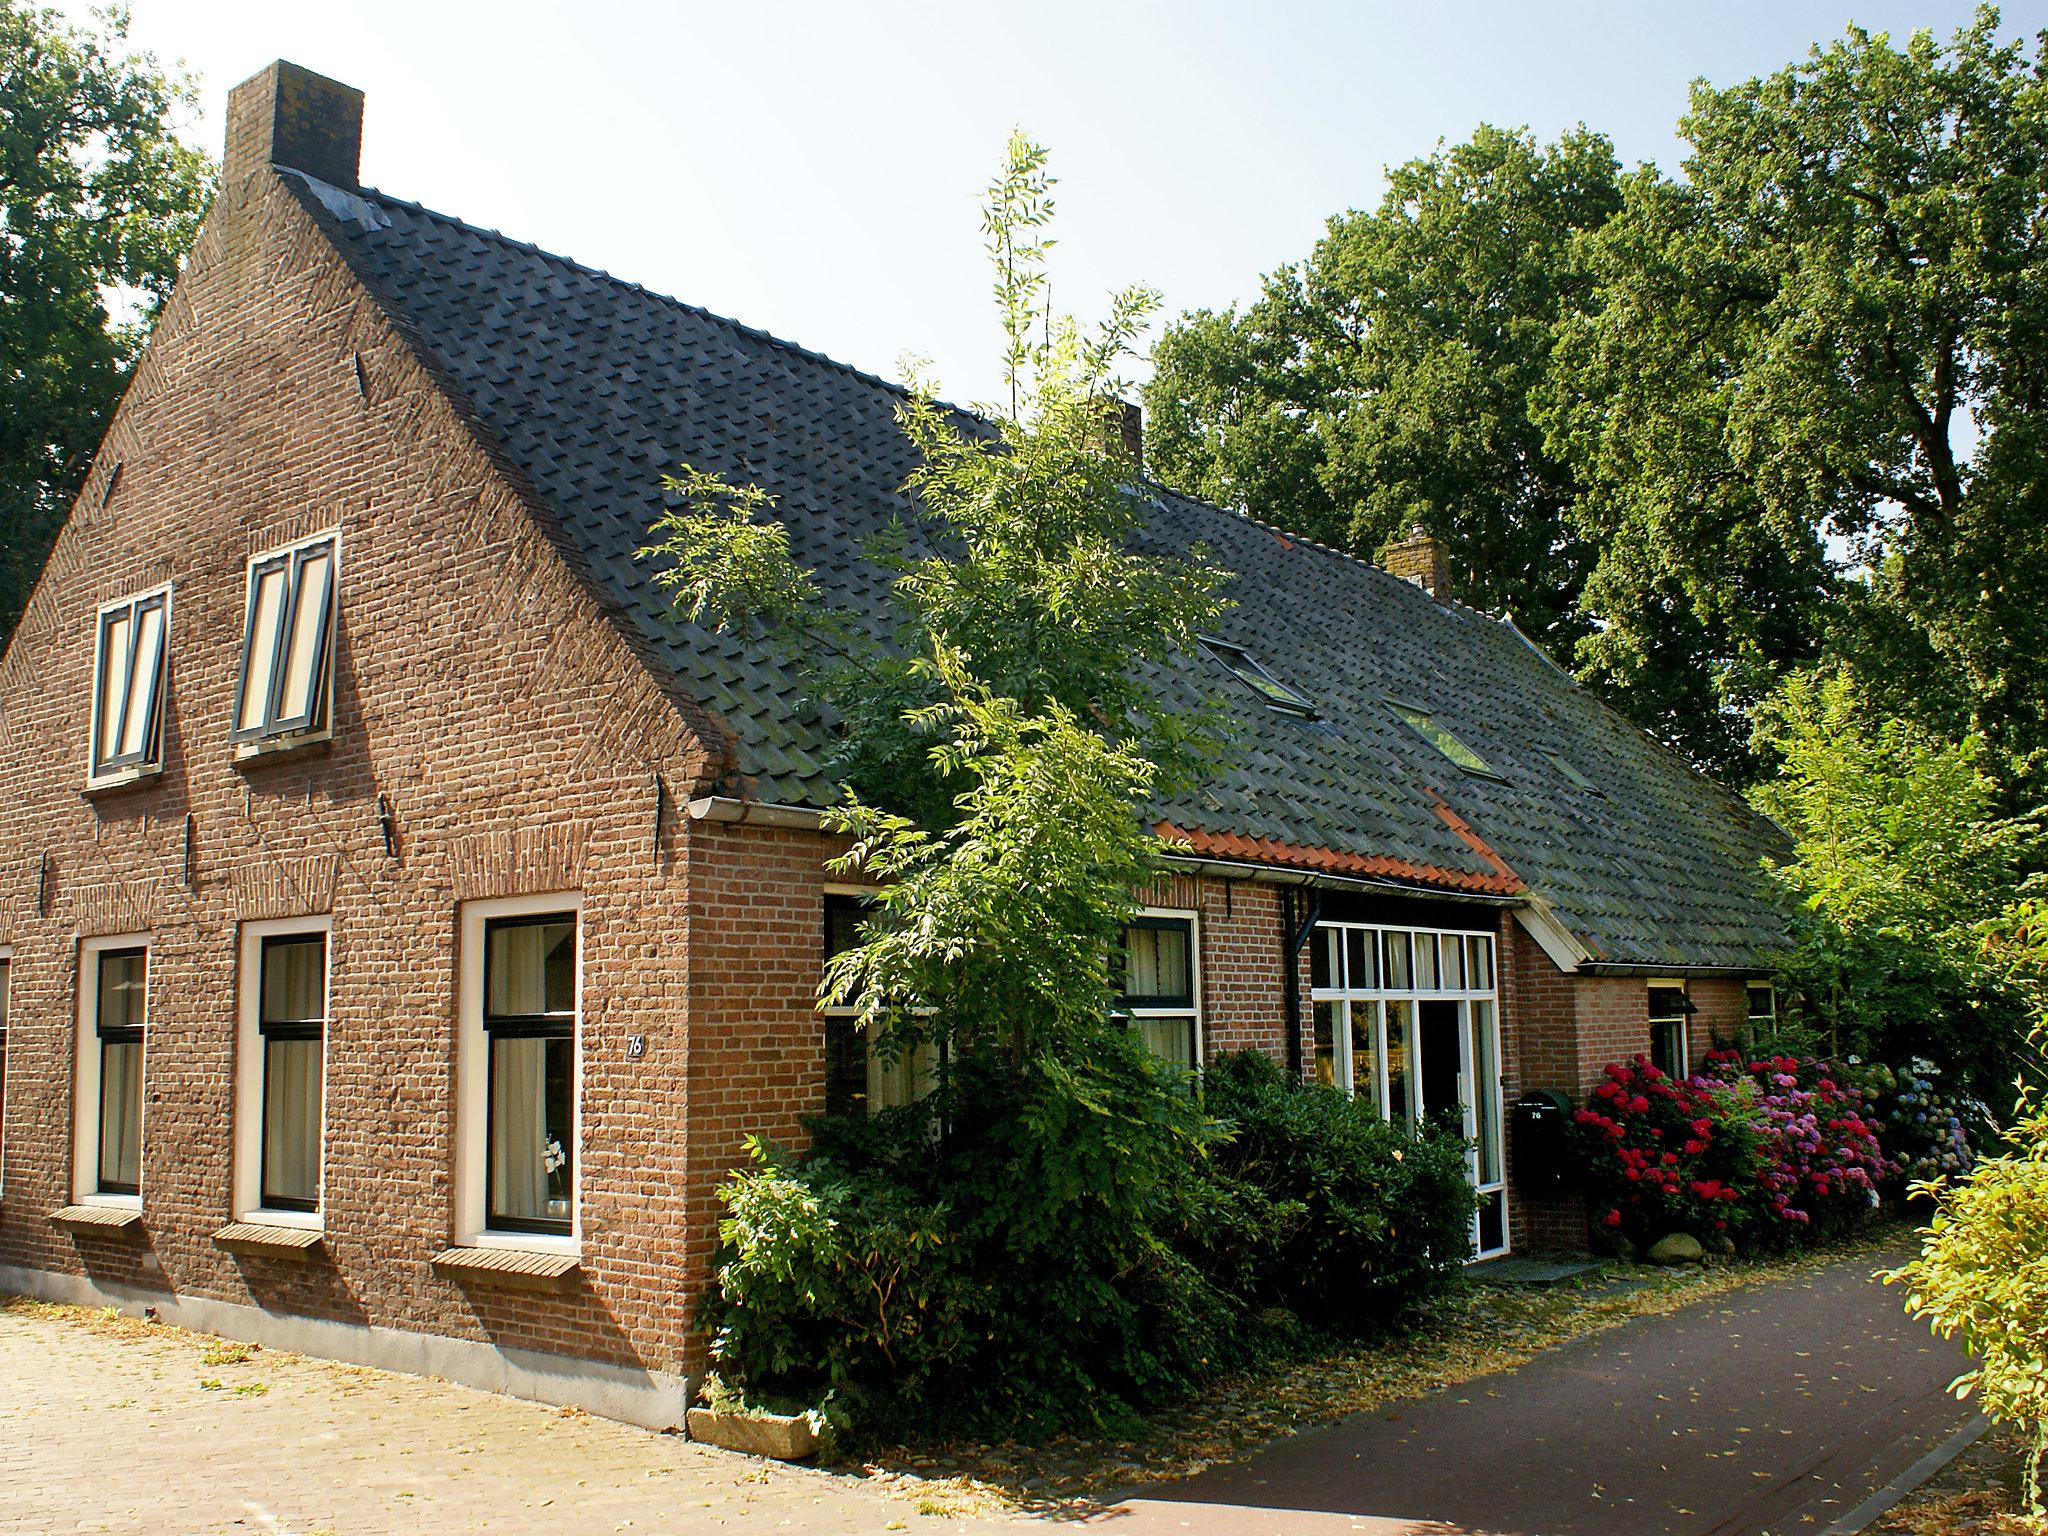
[[1776, 1149], [1930, 1132]]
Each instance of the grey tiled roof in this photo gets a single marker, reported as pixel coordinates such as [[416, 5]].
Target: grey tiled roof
[[590, 388]]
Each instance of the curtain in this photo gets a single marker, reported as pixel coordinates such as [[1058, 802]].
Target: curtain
[[901, 1079], [291, 1122], [294, 981], [531, 969], [1172, 1040], [519, 1140], [120, 1115]]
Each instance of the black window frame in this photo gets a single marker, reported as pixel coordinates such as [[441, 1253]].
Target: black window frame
[[1157, 1004], [294, 561], [846, 1056], [150, 753], [542, 1026], [120, 1034], [290, 1030]]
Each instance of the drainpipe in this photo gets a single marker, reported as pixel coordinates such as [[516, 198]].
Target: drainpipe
[[1292, 937]]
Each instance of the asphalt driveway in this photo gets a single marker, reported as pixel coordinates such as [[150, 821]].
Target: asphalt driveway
[[1775, 1410]]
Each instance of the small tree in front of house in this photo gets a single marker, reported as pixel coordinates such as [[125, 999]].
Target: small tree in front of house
[[998, 751]]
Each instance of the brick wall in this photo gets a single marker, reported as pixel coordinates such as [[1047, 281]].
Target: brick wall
[[478, 689]]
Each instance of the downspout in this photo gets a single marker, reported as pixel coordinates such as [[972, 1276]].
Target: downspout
[[1292, 938]]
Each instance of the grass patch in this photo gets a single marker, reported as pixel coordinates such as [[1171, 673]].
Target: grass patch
[[1484, 1330]]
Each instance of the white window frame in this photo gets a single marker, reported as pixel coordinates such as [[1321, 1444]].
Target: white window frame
[[103, 768], [472, 1076], [249, 1074], [1683, 1021], [1377, 994], [85, 1141], [1193, 1011], [1750, 1016], [270, 734], [6, 1036], [927, 1063]]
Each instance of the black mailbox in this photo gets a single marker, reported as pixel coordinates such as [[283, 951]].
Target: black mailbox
[[1542, 1136]]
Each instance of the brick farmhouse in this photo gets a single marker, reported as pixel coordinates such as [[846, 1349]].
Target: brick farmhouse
[[403, 916]]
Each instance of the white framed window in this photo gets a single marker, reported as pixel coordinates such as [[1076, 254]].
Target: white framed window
[[281, 1071], [6, 986], [1159, 983], [283, 686], [1671, 1014], [108, 1115], [1763, 1011], [1408, 1020], [131, 658], [859, 1079], [518, 1165]]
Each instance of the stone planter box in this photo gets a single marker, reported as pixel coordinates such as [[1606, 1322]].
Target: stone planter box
[[782, 1436]]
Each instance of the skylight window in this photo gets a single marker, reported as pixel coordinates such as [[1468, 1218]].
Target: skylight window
[[1439, 737], [287, 640], [1570, 770], [1248, 671], [129, 661]]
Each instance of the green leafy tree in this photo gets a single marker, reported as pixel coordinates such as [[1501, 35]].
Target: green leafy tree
[[98, 203], [1385, 380], [1901, 863], [1803, 401]]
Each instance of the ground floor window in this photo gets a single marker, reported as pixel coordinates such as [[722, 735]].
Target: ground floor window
[[530, 1022], [113, 1022], [1407, 1019], [861, 1077], [1157, 986], [6, 976], [283, 1069], [1763, 1012], [519, 1117], [1670, 1022]]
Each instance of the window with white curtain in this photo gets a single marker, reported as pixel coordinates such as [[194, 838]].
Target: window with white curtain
[[287, 641], [860, 1078], [1158, 987], [107, 1112], [529, 1021], [292, 1021], [131, 657]]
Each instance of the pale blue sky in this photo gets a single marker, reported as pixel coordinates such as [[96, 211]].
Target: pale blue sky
[[813, 169]]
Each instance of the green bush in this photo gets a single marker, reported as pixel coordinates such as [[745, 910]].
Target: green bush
[[1982, 1276], [1359, 1223]]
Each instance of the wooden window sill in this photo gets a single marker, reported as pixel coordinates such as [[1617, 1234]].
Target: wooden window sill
[[514, 1267], [97, 1217], [282, 749], [122, 779], [254, 1237]]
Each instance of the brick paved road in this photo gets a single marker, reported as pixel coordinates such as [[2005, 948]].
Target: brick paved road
[[111, 1430]]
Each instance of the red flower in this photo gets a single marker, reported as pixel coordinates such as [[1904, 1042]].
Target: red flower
[[1611, 1219]]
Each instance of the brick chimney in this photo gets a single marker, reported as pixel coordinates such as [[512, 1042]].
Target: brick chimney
[[1123, 430], [288, 116], [1422, 558]]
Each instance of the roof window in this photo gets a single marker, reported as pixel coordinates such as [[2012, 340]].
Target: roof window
[[1253, 675], [1424, 725], [1570, 770]]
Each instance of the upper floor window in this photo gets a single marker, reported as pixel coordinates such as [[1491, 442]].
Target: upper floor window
[[1158, 986], [130, 659], [287, 641]]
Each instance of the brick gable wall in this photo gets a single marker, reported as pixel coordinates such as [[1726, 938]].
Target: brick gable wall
[[478, 689]]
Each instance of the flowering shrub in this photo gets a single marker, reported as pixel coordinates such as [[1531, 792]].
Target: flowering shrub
[[1822, 1161], [1775, 1148], [1667, 1155], [1927, 1130]]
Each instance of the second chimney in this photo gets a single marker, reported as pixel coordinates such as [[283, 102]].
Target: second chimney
[[288, 116], [1422, 558]]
